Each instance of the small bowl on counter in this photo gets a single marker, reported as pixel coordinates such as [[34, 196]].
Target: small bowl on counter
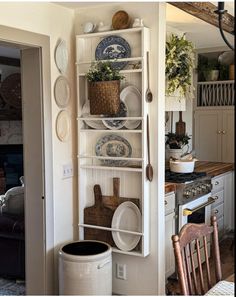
[[182, 166]]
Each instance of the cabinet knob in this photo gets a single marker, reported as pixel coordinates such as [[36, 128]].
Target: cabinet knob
[[166, 202], [223, 132], [215, 197], [216, 183], [219, 132], [216, 211]]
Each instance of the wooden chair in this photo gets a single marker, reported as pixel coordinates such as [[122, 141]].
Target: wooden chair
[[191, 278]]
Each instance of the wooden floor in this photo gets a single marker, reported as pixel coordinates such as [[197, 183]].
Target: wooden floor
[[227, 265]]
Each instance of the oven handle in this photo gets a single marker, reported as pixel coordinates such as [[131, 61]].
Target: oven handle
[[187, 211]]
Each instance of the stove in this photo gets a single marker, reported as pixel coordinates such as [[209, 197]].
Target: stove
[[182, 177], [189, 186]]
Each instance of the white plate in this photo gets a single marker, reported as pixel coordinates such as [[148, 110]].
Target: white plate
[[63, 125], [61, 56], [131, 96], [62, 91], [127, 216], [91, 123]]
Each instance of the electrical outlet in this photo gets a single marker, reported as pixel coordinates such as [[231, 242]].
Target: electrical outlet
[[121, 271], [67, 170]]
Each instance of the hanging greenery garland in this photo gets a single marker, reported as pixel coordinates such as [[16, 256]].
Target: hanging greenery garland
[[179, 65]]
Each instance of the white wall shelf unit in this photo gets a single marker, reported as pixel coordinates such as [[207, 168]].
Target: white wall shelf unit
[[95, 169]]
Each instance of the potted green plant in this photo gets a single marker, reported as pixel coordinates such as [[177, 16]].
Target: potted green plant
[[208, 69], [103, 88], [175, 144], [179, 65]]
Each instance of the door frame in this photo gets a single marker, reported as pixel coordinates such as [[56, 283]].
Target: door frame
[[39, 277]]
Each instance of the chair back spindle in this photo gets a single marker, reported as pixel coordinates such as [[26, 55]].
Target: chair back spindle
[[191, 254]]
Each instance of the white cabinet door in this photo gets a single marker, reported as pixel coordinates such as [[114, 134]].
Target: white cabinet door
[[228, 136], [169, 231], [207, 135]]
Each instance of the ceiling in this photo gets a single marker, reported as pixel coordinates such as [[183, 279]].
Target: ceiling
[[202, 34]]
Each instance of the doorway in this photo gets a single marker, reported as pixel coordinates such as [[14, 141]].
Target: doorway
[[36, 114]]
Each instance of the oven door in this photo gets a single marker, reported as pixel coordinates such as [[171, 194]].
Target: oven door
[[197, 211]]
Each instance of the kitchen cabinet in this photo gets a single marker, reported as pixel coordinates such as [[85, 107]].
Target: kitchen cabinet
[[214, 134], [95, 169], [223, 208], [170, 224]]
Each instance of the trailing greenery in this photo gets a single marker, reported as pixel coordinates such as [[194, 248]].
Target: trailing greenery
[[103, 71], [176, 141], [179, 64]]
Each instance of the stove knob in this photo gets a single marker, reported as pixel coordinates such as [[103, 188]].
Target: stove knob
[[187, 194], [203, 187], [194, 192], [199, 189], [209, 187]]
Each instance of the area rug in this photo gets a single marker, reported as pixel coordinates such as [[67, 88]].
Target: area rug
[[11, 287]]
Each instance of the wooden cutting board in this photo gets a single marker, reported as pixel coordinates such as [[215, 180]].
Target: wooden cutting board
[[180, 127], [98, 215], [115, 200], [101, 213]]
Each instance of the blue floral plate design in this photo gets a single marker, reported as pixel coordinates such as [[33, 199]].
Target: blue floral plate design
[[113, 47], [113, 146], [117, 124]]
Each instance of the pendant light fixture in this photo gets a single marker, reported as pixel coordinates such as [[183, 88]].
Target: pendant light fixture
[[220, 11]]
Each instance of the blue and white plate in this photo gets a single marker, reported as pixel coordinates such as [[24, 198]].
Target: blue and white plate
[[113, 146], [117, 124], [113, 47]]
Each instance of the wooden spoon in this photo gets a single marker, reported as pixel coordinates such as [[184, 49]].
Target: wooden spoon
[[149, 96], [149, 169]]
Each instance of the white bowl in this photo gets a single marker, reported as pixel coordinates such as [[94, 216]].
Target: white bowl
[[183, 166]]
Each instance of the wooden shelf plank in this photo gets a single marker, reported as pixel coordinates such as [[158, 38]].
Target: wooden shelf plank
[[99, 34]]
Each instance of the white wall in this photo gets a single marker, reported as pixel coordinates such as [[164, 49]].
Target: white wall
[[55, 22], [145, 276]]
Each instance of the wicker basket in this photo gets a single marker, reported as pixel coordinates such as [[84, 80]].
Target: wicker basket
[[104, 97]]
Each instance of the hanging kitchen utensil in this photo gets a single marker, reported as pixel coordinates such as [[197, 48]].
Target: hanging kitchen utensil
[[149, 169], [180, 127], [149, 95]]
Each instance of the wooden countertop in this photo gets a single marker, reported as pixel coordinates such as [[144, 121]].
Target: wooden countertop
[[170, 187], [213, 168]]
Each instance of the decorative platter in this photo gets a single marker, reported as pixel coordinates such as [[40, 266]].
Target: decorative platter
[[113, 47], [61, 56], [117, 124], [62, 91], [63, 125], [131, 96], [113, 146], [127, 216], [11, 90], [95, 124]]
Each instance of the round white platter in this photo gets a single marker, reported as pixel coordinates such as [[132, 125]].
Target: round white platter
[[61, 56], [132, 98], [63, 125], [62, 92], [127, 216]]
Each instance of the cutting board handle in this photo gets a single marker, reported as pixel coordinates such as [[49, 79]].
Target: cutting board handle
[[97, 194], [116, 187]]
